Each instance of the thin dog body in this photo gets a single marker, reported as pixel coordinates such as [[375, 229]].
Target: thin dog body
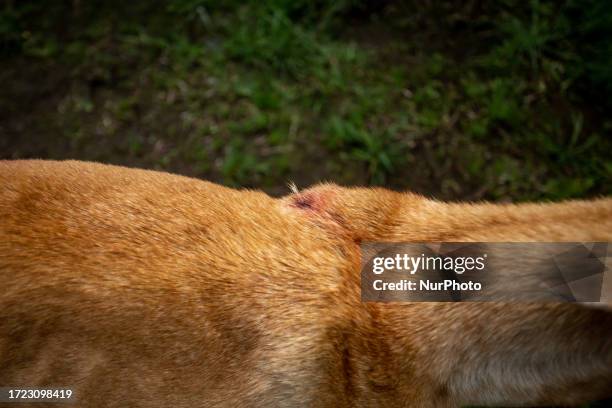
[[141, 288]]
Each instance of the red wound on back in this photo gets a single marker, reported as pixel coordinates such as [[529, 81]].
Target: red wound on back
[[357, 213], [304, 201], [315, 200], [318, 204]]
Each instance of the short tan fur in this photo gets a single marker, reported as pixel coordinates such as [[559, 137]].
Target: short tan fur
[[141, 288]]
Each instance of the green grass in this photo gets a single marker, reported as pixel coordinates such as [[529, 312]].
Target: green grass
[[506, 102]]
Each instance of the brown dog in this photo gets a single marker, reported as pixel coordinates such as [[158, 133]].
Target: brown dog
[[140, 288]]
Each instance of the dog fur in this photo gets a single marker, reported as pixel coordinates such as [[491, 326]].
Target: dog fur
[[141, 288]]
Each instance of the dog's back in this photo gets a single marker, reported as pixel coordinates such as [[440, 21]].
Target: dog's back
[[139, 288]]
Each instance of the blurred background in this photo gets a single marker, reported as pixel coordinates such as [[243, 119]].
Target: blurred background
[[503, 100]]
